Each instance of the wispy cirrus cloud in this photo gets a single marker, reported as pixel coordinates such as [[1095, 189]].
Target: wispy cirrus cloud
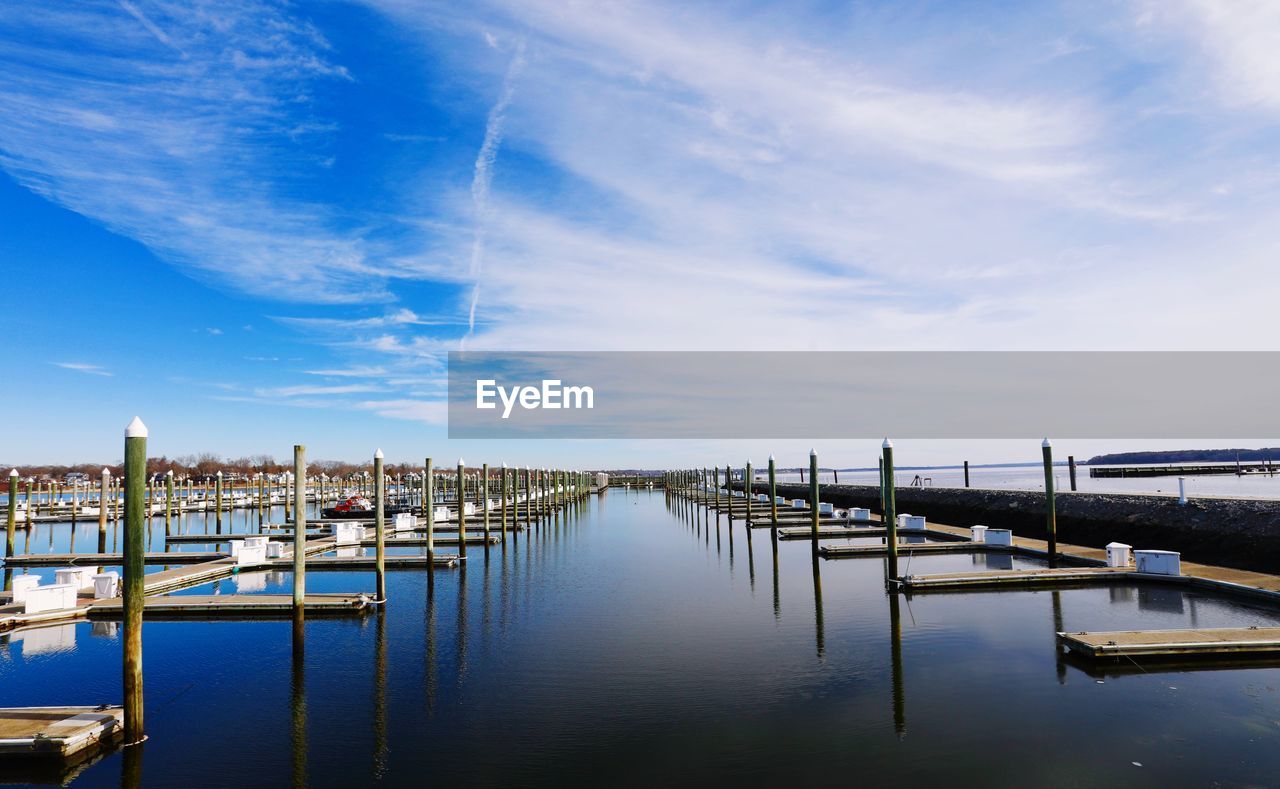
[[81, 367], [188, 127]]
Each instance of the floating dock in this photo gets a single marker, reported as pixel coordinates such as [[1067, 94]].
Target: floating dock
[[1232, 642], [906, 548], [1030, 578], [235, 606], [58, 732], [109, 559]]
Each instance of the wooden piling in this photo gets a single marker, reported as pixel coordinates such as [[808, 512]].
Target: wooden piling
[[503, 505], [168, 501], [813, 495], [299, 534], [1071, 469], [104, 505], [1050, 506], [890, 510], [135, 473], [462, 507], [12, 526], [218, 502], [773, 492], [966, 473], [746, 484], [484, 491], [429, 493], [380, 525]]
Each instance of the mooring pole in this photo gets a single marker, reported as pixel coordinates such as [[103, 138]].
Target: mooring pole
[[966, 473], [462, 509], [813, 495], [773, 492], [1071, 470], [1050, 506], [103, 506], [429, 493], [299, 533], [13, 514], [218, 502], [746, 482], [168, 500], [881, 464], [380, 525], [135, 482], [505, 491], [484, 471], [890, 511]]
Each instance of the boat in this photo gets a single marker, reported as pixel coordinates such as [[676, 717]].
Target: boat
[[360, 508]]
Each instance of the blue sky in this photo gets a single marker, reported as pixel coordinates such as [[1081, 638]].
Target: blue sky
[[258, 223]]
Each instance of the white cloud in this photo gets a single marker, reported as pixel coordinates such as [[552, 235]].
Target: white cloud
[[81, 367]]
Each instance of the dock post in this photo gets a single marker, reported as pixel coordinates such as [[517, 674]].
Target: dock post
[[13, 513], [429, 494], [168, 500], [527, 493], [104, 505], [135, 481], [746, 482], [1050, 506], [773, 492], [890, 511], [380, 525], [462, 508], [966, 473], [504, 492], [218, 502], [485, 492], [1182, 490], [813, 495], [30, 505], [1071, 470], [299, 534], [881, 464], [262, 497]]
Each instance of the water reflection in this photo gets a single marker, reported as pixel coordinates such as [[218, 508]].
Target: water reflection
[[895, 661], [298, 702], [819, 635]]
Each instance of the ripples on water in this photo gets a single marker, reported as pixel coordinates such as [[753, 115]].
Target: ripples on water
[[634, 643]]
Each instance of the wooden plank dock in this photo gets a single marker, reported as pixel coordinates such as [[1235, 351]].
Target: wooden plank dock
[[390, 561], [109, 559], [1006, 579], [854, 551], [58, 732], [235, 606], [1231, 642]]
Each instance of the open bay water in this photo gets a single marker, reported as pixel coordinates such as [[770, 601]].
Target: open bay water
[[633, 642]]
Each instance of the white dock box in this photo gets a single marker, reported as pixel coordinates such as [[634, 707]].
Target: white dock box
[[50, 598], [275, 550], [79, 577], [440, 514], [763, 498], [404, 522], [347, 533], [859, 514], [826, 508], [799, 504], [780, 500], [468, 508], [251, 554], [1159, 562], [999, 537], [978, 533], [1118, 554], [23, 584], [106, 585], [911, 522]]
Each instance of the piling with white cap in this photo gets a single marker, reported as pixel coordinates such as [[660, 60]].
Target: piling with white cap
[[13, 520], [299, 533], [773, 492], [1050, 506], [218, 501], [135, 481], [890, 511], [104, 504], [380, 525], [813, 495], [462, 507], [1182, 490]]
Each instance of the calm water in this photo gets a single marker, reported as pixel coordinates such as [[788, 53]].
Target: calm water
[[630, 644]]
